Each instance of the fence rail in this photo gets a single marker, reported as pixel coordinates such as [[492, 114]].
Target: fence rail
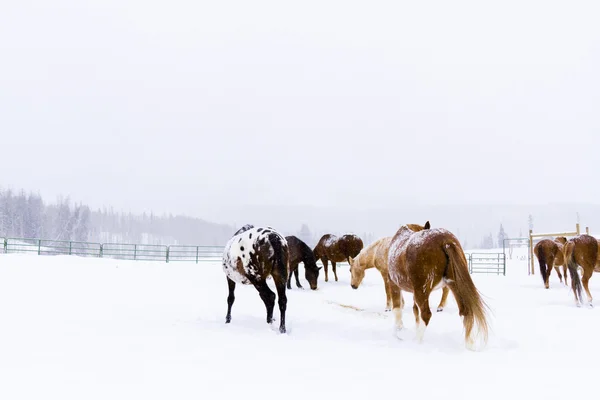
[[478, 262]]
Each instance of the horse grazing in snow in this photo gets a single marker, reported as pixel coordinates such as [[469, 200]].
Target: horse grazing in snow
[[550, 255], [300, 253], [334, 249], [376, 256], [581, 251], [251, 256], [421, 260]]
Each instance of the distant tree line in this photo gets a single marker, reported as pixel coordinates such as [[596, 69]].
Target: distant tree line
[[24, 215]]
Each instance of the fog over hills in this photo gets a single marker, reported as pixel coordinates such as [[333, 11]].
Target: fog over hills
[[469, 222]]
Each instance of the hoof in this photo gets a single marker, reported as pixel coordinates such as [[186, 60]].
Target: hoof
[[400, 333], [282, 329], [590, 305], [387, 309], [440, 309]]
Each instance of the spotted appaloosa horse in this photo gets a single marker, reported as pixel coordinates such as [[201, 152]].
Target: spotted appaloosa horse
[[582, 251], [421, 260], [550, 255], [251, 256], [334, 249], [301, 253]]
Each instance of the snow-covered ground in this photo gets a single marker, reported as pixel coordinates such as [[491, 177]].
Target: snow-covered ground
[[85, 328]]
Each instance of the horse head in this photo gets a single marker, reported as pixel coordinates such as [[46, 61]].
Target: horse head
[[357, 272], [418, 228]]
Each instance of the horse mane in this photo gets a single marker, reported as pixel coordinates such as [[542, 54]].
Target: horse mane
[[308, 255], [244, 229]]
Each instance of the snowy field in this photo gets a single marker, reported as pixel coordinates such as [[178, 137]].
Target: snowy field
[[82, 328]]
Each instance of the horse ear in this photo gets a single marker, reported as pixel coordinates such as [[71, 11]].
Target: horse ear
[[427, 225]]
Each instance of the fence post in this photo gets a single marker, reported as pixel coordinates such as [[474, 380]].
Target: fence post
[[168, 249], [504, 272], [70, 247], [197, 249], [5, 245], [135, 251], [101, 249], [39, 246]]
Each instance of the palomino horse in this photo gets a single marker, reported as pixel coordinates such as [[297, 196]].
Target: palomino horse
[[550, 255], [582, 251], [300, 253], [376, 256], [251, 256], [334, 249], [421, 260]]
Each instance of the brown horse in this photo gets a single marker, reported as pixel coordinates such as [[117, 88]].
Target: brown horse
[[597, 269], [334, 249], [376, 256], [582, 251], [550, 255], [300, 253], [421, 260]]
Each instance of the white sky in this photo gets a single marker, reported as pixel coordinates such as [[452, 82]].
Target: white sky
[[192, 106]]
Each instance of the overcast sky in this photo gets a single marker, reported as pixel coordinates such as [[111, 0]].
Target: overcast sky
[[192, 106]]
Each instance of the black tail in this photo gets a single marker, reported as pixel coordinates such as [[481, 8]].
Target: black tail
[[542, 260], [575, 281]]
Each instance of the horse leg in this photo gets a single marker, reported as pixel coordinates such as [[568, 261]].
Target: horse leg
[[282, 300], [289, 279], [396, 305], [585, 280], [559, 274], [296, 275], [417, 315], [445, 292], [565, 272], [422, 301], [267, 296], [230, 299], [388, 294], [333, 269], [549, 268], [325, 267]]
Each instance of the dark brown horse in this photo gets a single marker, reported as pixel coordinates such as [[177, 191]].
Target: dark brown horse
[[582, 251], [550, 255], [251, 256], [421, 260], [334, 249], [300, 253]]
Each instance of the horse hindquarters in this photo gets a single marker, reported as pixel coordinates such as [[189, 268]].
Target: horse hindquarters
[[470, 304]]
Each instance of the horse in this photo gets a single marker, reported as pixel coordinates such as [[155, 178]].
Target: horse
[[421, 260], [376, 256], [550, 255], [334, 249], [252, 256], [299, 252], [597, 269], [581, 251]]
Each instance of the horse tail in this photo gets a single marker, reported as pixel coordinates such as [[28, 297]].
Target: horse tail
[[542, 260], [470, 303], [575, 280]]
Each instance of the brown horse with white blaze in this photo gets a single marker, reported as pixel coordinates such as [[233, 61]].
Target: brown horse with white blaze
[[376, 256], [334, 249], [550, 255], [421, 260], [581, 251]]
